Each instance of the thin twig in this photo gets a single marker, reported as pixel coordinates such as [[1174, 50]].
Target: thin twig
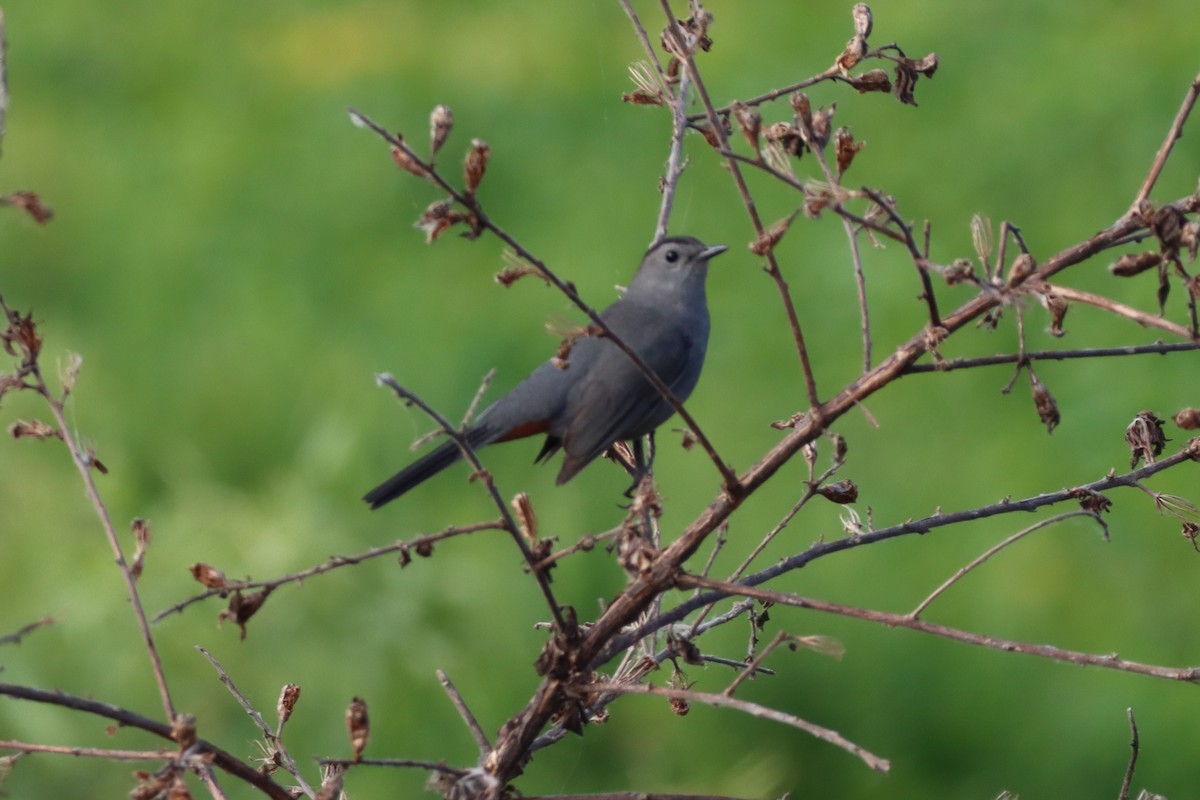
[[685, 54], [991, 551], [1133, 756], [83, 462], [510, 524], [20, 633], [89, 752], [893, 620], [464, 711], [675, 160], [1173, 135], [1158, 348], [284, 759], [415, 544], [1129, 312], [129, 719], [754, 709]]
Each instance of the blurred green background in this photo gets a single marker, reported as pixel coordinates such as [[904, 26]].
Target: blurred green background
[[234, 262]]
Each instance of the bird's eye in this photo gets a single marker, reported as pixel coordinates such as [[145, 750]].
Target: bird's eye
[[672, 256]]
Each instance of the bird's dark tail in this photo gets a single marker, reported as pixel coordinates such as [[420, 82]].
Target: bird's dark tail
[[424, 468]]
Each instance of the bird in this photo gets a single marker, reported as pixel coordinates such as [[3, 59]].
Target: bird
[[600, 397]]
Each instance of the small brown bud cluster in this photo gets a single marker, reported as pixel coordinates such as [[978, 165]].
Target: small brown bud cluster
[[1043, 401], [770, 237], [441, 122]]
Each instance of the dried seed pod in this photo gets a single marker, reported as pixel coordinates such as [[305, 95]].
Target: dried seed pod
[[526, 518], [475, 164], [1092, 501], [141, 538], [1132, 264], [406, 160], [1145, 438], [862, 19], [767, 240], [1044, 402], [875, 80], [846, 149], [358, 725], [441, 122], [288, 697], [750, 121], [1187, 418], [209, 575], [842, 492]]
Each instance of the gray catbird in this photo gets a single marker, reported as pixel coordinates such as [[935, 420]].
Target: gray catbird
[[601, 397]]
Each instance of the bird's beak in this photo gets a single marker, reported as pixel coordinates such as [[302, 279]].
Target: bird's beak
[[715, 250]]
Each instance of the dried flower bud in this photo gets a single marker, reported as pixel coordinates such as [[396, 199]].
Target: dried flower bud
[[33, 428], [1190, 237], [358, 726], [441, 122], [875, 80], [750, 121], [424, 547], [436, 219], [1145, 438], [21, 337], [141, 538], [70, 372], [209, 576], [1132, 264], [846, 149], [786, 137], [1167, 224], [31, 203], [288, 697], [406, 160], [1056, 305], [862, 19], [802, 107], [767, 240], [1190, 531], [839, 448], [526, 519], [809, 451], [241, 609], [476, 164], [1187, 418], [959, 271], [842, 492], [853, 53], [1091, 501], [822, 123], [1043, 401]]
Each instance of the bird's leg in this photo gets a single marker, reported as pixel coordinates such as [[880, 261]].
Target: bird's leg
[[641, 466]]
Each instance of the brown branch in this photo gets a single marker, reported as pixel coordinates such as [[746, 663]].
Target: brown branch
[[464, 711], [1129, 312], [225, 761], [85, 462], [1158, 348], [739, 179], [416, 544], [1173, 135], [510, 524], [893, 620], [20, 633], [89, 752], [754, 709], [991, 551], [1127, 782]]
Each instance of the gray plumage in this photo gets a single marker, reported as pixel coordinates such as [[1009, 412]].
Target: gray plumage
[[601, 397]]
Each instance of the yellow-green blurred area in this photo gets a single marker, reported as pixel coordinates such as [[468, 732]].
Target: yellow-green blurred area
[[235, 261]]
